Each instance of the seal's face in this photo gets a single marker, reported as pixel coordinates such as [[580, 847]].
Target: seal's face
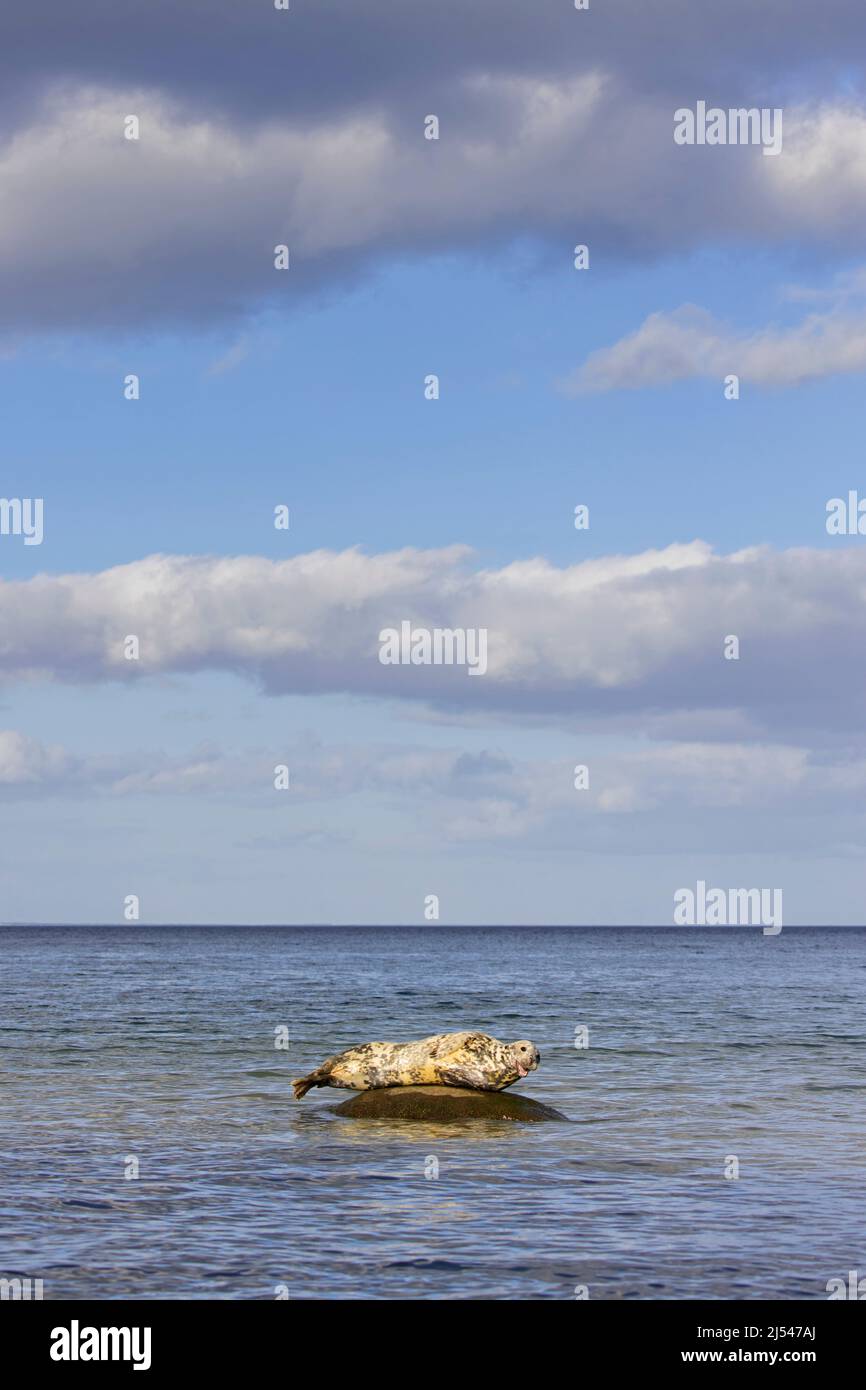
[[526, 1056]]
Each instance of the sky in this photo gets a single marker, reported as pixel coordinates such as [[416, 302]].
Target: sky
[[602, 387]]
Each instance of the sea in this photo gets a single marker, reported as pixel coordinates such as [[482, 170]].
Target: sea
[[713, 1081]]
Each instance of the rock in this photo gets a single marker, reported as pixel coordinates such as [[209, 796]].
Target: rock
[[448, 1103]]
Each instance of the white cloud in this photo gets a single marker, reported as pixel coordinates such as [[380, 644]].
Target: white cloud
[[824, 183], [623, 637], [690, 342], [231, 358], [452, 796], [26, 762]]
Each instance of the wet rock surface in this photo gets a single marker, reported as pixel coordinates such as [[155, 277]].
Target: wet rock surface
[[445, 1103]]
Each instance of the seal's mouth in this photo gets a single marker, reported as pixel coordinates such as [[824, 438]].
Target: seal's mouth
[[522, 1070]]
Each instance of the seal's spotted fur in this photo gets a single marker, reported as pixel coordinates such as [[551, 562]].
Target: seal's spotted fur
[[446, 1059]]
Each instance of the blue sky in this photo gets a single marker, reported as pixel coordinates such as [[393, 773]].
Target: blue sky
[[325, 411], [156, 779]]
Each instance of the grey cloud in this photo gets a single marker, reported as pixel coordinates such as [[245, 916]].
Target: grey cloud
[[182, 225], [260, 127], [475, 765], [315, 837], [336, 55]]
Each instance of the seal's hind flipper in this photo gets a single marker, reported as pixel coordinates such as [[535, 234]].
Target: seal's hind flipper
[[319, 1077]]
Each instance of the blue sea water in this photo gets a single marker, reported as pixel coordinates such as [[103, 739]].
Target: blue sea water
[[157, 1044]]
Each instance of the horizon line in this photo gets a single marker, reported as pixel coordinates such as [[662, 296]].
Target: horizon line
[[439, 926]]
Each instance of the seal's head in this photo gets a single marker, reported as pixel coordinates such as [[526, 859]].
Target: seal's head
[[525, 1055]]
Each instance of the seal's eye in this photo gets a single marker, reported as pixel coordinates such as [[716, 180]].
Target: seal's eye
[[523, 1049]]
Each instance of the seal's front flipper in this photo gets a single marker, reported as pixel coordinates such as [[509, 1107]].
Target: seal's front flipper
[[469, 1078]]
